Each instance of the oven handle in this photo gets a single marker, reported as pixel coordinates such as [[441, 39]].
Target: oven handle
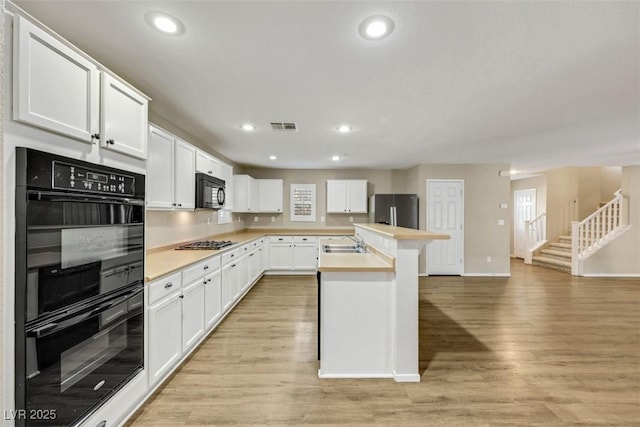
[[55, 196], [53, 327]]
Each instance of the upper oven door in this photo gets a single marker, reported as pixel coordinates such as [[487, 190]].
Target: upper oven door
[[79, 248]]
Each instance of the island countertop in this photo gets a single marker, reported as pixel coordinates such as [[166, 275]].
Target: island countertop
[[371, 261], [402, 233]]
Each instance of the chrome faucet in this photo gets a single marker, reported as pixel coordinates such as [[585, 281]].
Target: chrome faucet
[[359, 241]]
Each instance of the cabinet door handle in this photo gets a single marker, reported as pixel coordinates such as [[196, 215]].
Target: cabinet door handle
[[181, 296], [180, 204], [173, 204], [168, 285], [206, 267], [232, 255], [251, 254], [111, 141], [233, 265], [304, 239], [281, 239], [95, 136], [210, 172]]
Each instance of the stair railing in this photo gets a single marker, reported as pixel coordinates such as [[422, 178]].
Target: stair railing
[[535, 231], [592, 232]]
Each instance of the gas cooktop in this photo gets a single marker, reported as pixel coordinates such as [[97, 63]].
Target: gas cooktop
[[206, 245]]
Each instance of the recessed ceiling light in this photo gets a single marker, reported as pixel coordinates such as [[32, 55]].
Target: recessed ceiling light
[[344, 128], [336, 158], [164, 23], [376, 27], [272, 157], [248, 127]]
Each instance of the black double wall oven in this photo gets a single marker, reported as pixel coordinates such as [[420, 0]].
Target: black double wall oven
[[79, 285]]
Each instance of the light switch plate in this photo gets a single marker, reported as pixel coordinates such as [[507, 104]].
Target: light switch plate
[[501, 222], [503, 206]]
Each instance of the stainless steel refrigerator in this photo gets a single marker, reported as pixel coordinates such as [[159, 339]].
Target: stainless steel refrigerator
[[394, 209]]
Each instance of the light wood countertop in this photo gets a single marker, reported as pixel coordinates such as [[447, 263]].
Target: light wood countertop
[[372, 261], [402, 233], [165, 260]]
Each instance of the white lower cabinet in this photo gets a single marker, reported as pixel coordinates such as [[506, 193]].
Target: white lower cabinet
[[192, 314], [164, 332], [229, 284], [296, 253], [213, 299]]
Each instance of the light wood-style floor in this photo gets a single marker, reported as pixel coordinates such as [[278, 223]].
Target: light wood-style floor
[[539, 348]]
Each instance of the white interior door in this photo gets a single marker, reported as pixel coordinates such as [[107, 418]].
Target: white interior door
[[445, 214], [524, 205]]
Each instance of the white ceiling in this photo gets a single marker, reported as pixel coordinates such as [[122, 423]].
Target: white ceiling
[[535, 84]]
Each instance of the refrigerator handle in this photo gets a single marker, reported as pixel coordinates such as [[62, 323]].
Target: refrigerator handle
[[390, 215], [394, 218]]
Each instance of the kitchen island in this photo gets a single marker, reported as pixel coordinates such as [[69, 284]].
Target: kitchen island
[[368, 304]]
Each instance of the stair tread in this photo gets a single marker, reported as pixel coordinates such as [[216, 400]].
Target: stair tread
[[563, 254], [554, 261], [564, 237], [561, 245]]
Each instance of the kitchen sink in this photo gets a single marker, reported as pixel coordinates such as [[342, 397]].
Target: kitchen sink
[[343, 249]]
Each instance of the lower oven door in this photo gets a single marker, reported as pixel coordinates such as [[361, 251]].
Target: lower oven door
[[76, 362]]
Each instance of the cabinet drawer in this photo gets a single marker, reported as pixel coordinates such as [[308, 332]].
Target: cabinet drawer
[[164, 287], [200, 269], [305, 239], [230, 256], [280, 239]]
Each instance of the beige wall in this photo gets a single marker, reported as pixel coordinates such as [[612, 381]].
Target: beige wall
[[484, 191], [575, 193], [622, 256], [610, 182], [379, 181], [539, 183]]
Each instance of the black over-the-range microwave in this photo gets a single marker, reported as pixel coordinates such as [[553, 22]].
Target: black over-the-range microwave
[[209, 192]]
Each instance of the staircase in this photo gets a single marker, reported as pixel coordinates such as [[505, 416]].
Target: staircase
[[586, 238], [557, 256]]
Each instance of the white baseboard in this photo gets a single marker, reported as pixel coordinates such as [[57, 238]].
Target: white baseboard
[[487, 275], [359, 375], [610, 275], [406, 378]]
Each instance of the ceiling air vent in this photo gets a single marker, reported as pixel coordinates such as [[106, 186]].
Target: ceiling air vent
[[288, 126]]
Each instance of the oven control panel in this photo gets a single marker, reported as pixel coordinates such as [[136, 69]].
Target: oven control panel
[[72, 177]]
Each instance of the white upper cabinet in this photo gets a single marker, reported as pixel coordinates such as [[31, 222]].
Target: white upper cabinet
[[170, 171], [184, 175], [160, 169], [270, 195], [55, 87], [347, 196], [123, 120], [245, 194], [207, 164]]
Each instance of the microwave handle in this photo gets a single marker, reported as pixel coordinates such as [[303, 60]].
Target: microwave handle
[[221, 196]]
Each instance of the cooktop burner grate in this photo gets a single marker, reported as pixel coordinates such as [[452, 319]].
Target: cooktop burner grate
[[206, 245]]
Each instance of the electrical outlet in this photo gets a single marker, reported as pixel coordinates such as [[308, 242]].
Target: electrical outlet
[[273, 219], [488, 258], [501, 222], [255, 219], [208, 220], [350, 219], [322, 218]]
